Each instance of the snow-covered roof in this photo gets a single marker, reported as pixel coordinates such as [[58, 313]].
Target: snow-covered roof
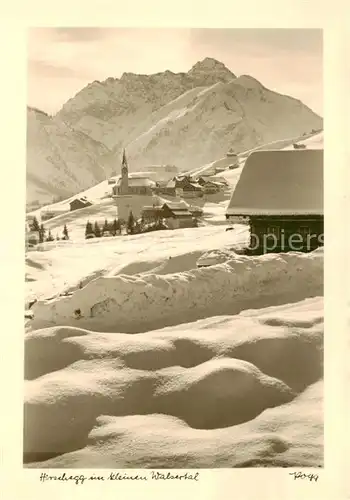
[[214, 178], [139, 182], [181, 205], [82, 199], [287, 182], [182, 213]]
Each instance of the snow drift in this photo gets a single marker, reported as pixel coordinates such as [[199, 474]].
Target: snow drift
[[143, 302], [228, 391]]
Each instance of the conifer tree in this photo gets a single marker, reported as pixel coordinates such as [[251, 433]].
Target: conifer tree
[[35, 225], [49, 236], [42, 232], [105, 228], [88, 229], [131, 223], [116, 227], [97, 230], [65, 233]]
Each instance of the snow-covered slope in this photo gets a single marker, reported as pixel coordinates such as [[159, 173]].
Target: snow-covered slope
[[61, 161], [210, 357], [221, 392], [62, 265]]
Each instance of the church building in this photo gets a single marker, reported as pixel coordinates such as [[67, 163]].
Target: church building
[[132, 185], [132, 193]]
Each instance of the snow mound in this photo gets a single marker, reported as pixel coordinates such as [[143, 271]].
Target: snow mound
[[110, 399], [143, 302], [215, 257], [219, 393], [280, 437], [170, 265]]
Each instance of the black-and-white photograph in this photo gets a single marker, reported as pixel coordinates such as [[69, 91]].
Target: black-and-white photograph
[[174, 243]]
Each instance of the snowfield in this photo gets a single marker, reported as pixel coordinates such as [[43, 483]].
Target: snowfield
[[138, 357], [61, 266], [227, 371], [228, 391]]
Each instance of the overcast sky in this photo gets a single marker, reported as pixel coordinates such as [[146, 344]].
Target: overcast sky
[[61, 61]]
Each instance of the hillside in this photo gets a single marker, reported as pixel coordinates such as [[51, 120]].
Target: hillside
[[61, 161], [186, 119]]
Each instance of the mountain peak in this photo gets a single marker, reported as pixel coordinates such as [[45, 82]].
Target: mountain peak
[[209, 64]]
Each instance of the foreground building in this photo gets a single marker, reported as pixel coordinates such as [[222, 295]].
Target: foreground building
[[281, 194], [176, 214]]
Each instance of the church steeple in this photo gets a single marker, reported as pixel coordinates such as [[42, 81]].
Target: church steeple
[[124, 182]]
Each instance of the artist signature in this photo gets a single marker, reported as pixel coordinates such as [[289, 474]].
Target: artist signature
[[303, 475]]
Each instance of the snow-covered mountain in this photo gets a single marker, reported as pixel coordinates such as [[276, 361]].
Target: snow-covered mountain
[[186, 119], [61, 161]]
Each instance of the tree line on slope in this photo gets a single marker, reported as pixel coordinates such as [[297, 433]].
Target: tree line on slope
[[46, 236], [116, 227]]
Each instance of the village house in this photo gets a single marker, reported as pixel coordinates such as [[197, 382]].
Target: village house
[[180, 182], [178, 215], [192, 190], [212, 184], [178, 211], [218, 179], [186, 187], [167, 188], [281, 192], [211, 187], [152, 214], [78, 203]]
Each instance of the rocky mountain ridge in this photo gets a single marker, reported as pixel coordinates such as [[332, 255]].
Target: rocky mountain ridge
[[186, 119]]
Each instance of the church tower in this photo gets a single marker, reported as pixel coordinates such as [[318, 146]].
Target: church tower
[[124, 181]]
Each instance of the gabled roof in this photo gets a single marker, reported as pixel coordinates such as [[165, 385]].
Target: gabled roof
[[180, 205], [82, 199], [214, 178], [139, 182], [287, 182]]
